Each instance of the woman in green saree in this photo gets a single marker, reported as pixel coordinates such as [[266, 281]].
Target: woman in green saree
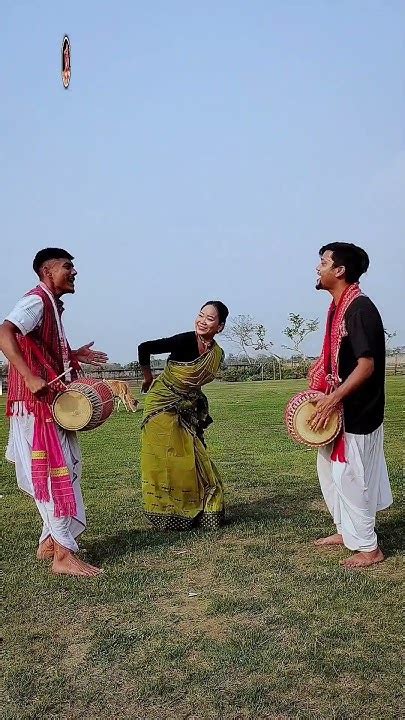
[[181, 487]]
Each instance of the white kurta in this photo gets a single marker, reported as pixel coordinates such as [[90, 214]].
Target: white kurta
[[354, 491], [27, 315]]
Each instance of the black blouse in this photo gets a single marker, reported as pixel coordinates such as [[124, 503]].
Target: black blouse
[[182, 347]]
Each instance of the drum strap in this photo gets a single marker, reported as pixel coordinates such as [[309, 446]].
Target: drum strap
[[62, 337]]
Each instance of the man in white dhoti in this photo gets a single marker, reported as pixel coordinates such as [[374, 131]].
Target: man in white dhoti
[[47, 458], [351, 372]]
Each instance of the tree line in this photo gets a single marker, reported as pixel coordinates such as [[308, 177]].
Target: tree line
[[255, 349]]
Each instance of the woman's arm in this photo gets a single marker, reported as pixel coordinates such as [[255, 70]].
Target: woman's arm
[[153, 347]]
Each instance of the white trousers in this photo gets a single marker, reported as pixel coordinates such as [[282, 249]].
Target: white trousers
[[354, 491], [64, 530]]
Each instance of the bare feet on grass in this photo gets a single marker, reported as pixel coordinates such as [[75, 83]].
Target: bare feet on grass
[[46, 549], [65, 562], [331, 540], [363, 559]]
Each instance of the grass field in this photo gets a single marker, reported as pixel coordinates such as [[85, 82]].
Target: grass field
[[273, 628]]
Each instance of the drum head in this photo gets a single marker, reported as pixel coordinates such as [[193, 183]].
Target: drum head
[[72, 410], [321, 437]]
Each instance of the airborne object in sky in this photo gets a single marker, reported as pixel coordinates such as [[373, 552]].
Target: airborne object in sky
[[66, 62]]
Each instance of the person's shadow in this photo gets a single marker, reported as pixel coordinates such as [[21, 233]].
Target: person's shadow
[[303, 507], [391, 534], [273, 508], [269, 511]]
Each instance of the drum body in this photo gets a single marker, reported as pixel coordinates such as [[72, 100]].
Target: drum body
[[298, 415], [84, 405]]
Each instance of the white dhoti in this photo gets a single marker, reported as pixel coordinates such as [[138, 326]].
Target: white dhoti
[[64, 530], [355, 490]]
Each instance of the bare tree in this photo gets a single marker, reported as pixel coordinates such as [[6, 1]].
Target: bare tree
[[247, 334], [388, 338], [297, 331]]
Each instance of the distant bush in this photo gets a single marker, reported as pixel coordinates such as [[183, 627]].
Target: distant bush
[[295, 372], [265, 371], [239, 374]]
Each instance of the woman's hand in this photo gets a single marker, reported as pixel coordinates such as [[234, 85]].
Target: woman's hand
[[148, 380]]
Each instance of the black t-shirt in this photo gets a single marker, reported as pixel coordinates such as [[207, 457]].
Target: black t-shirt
[[182, 348], [364, 409]]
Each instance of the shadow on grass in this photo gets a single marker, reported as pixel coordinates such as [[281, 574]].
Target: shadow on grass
[[272, 511], [391, 534], [274, 508], [137, 540]]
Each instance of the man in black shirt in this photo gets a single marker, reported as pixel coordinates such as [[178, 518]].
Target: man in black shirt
[[351, 372]]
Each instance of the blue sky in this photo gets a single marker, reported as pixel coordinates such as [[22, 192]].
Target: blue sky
[[203, 150]]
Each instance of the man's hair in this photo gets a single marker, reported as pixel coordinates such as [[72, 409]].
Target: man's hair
[[222, 310], [49, 254], [354, 259]]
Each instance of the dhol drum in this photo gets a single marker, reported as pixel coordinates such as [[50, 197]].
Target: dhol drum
[[84, 405], [298, 414]]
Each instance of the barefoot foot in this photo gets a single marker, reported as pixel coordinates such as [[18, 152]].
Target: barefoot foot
[[46, 549], [363, 559], [335, 539], [65, 562], [70, 564]]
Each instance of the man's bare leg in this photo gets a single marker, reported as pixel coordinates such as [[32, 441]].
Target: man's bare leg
[[363, 559], [335, 539], [46, 549], [65, 562]]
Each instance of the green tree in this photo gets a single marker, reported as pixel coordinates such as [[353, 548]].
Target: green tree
[[297, 331], [134, 365]]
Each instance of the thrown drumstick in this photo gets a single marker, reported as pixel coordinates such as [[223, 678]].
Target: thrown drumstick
[[60, 376]]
